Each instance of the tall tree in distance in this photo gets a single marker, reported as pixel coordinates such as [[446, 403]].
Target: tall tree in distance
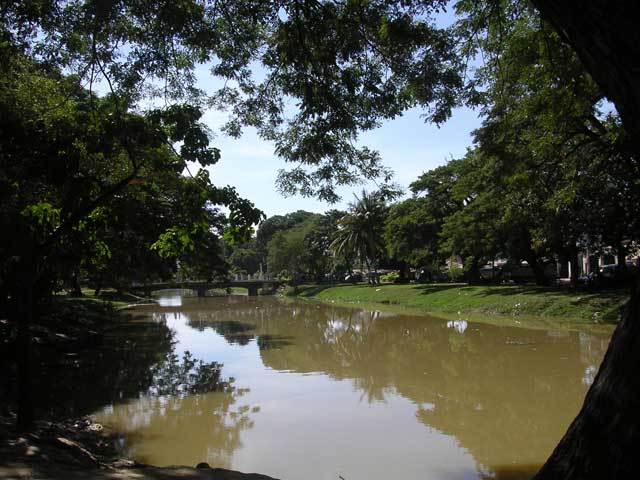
[[360, 231]]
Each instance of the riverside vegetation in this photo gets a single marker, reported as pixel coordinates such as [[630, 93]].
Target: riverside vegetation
[[516, 305]]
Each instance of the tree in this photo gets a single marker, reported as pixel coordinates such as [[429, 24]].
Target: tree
[[126, 228], [348, 64], [89, 149], [557, 153], [411, 234], [360, 231], [605, 38], [289, 251], [599, 442], [318, 243], [244, 258], [272, 226]]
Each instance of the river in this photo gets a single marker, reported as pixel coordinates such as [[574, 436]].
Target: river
[[304, 390]]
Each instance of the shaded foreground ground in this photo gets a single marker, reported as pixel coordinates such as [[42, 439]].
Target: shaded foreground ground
[[75, 450], [516, 305]]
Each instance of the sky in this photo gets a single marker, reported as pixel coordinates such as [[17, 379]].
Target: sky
[[407, 145]]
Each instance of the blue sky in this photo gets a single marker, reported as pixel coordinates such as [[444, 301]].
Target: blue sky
[[407, 145]]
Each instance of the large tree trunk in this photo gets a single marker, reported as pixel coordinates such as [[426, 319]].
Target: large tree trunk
[[537, 269], [621, 256], [75, 283], [602, 441], [605, 34], [473, 271], [24, 355], [575, 267]]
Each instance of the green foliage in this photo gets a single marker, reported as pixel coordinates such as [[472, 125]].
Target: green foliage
[[172, 242], [345, 65], [411, 232], [89, 183], [244, 258], [455, 274], [278, 223], [390, 277], [288, 250], [545, 175], [318, 243], [360, 231]]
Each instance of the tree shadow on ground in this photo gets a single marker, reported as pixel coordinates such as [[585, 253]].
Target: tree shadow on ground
[[427, 289], [582, 293], [312, 291]]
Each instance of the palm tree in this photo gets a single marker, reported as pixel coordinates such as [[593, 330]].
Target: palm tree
[[359, 232]]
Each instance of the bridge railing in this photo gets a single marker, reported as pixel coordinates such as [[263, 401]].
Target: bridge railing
[[253, 277], [238, 277]]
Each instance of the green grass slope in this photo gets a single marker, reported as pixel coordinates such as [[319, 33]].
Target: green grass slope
[[509, 304]]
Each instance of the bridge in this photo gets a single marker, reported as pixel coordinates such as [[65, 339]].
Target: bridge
[[251, 282]]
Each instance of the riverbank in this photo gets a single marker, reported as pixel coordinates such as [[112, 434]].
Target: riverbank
[[515, 305], [59, 448], [82, 449]]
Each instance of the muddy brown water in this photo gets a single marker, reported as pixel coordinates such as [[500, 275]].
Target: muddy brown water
[[322, 392]]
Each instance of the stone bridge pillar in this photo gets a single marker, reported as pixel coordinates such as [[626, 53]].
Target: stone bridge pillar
[[202, 292], [253, 290]]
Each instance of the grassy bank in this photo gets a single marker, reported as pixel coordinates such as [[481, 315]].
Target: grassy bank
[[508, 305], [107, 296]]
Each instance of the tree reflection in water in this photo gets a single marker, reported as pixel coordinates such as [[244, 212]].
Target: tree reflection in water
[[122, 367], [505, 394], [203, 427], [135, 359], [208, 422], [186, 377], [136, 376]]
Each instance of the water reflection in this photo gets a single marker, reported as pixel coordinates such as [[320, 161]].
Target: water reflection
[[414, 396], [232, 330], [202, 428], [74, 383], [170, 301], [458, 325]]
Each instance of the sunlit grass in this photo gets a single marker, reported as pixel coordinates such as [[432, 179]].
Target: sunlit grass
[[509, 304]]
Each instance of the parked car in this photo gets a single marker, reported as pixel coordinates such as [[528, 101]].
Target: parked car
[[489, 272], [610, 272], [353, 277], [616, 273]]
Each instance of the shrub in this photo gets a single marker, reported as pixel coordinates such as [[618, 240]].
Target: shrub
[[390, 277], [456, 274]]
